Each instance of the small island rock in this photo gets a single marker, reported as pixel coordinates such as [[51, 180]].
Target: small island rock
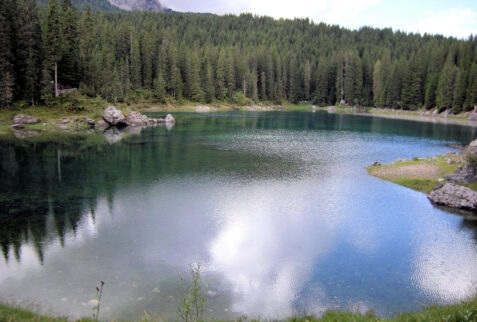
[[25, 119], [454, 196], [113, 116], [170, 119]]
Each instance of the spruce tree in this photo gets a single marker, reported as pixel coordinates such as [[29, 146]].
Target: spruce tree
[[446, 85], [68, 65], [53, 40]]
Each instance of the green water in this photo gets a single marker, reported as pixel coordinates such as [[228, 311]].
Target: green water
[[277, 207]]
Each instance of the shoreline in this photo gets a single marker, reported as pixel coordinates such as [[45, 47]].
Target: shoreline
[[61, 119], [461, 311]]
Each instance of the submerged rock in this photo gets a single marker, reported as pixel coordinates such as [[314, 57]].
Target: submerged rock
[[101, 125], [136, 119], [455, 196], [21, 134], [113, 116], [25, 119]]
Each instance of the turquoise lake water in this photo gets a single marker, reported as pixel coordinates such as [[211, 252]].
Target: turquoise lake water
[[277, 208]]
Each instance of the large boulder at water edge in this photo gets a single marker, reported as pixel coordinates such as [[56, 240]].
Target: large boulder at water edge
[[472, 148], [113, 116], [170, 119], [25, 119], [136, 119], [463, 175], [455, 196]]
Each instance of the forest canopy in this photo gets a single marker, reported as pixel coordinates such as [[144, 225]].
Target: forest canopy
[[237, 59]]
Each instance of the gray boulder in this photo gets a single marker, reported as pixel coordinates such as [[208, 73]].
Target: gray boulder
[[463, 175], [472, 148], [136, 119], [25, 119], [17, 126], [452, 195], [473, 117], [331, 109], [446, 113], [113, 116], [170, 119]]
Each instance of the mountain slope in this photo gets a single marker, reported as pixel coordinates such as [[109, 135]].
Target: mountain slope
[[95, 5], [138, 5]]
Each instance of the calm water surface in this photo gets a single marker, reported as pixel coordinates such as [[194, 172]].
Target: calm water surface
[[277, 207]]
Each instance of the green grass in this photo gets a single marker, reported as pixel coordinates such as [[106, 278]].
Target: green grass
[[422, 184], [11, 313], [465, 311]]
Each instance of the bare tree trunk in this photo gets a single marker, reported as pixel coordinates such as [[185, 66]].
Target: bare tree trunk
[[56, 80], [244, 88]]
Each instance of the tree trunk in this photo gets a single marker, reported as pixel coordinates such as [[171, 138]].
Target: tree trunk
[[56, 80]]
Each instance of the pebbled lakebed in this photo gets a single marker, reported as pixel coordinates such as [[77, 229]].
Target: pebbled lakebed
[[277, 207]]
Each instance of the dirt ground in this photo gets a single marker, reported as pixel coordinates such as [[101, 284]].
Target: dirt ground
[[425, 171]]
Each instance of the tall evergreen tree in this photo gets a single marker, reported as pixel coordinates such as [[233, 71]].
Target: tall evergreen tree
[[68, 65], [53, 43], [446, 85]]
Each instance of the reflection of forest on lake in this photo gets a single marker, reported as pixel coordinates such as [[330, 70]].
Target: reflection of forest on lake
[[65, 177], [241, 164]]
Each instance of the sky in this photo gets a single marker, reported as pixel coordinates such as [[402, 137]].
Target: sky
[[456, 18]]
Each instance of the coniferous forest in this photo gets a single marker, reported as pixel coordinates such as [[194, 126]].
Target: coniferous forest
[[236, 59]]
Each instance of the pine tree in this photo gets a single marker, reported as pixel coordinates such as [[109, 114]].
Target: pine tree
[[68, 65], [28, 51], [160, 88], [124, 79], [221, 76], [263, 86], [459, 91], [381, 75], [6, 77], [231, 79], [209, 88], [430, 97], [321, 92], [253, 85], [446, 85], [135, 59], [307, 79], [54, 40], [471, 95], [196, 93]]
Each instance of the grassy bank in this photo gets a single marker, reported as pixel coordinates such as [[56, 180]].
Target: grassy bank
[[465, 311], [421, 174]]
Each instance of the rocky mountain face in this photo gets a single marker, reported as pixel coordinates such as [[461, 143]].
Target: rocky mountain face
[[138, 5]]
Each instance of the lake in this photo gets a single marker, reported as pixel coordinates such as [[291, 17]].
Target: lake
[[276, 207]]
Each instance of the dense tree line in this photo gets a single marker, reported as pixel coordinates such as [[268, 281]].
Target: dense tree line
[[207, 58]]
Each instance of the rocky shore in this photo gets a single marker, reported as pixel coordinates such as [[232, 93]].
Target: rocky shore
[[113, 123], [449, 180]]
